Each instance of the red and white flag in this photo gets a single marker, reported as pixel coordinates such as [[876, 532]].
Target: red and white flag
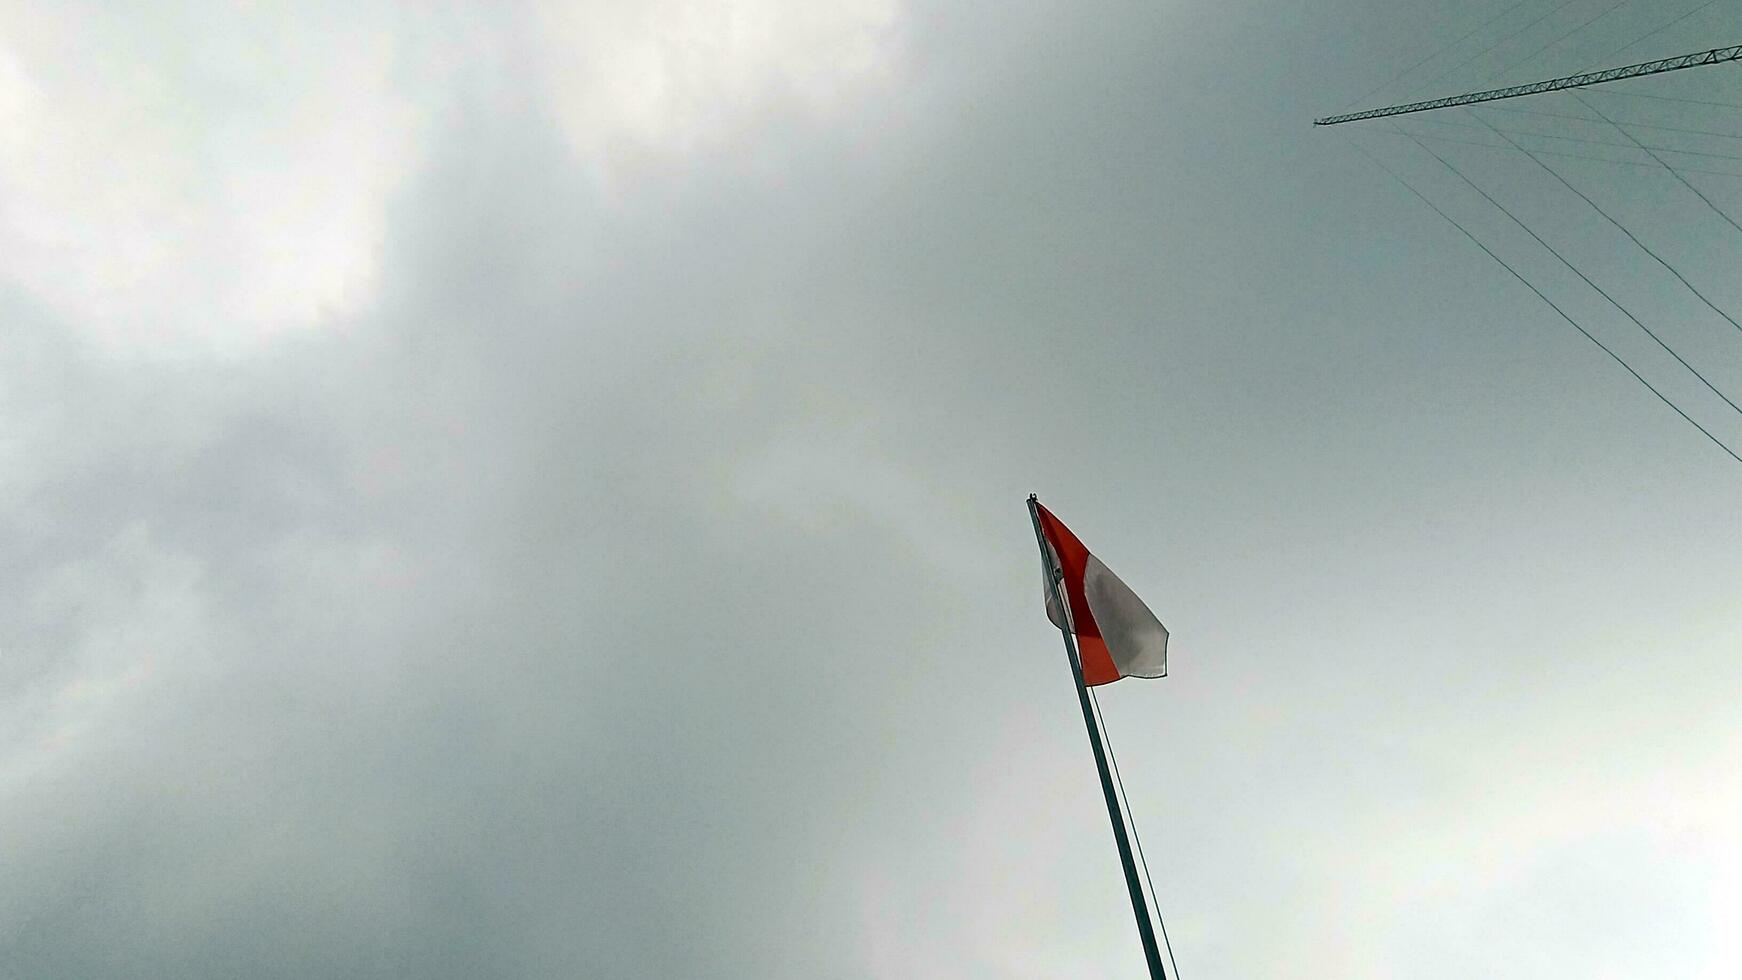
[[1117, 635]]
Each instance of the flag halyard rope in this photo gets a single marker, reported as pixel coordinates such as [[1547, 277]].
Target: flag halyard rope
[[1136, 838]]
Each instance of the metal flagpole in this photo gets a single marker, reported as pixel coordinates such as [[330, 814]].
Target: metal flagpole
[[1139, 908]]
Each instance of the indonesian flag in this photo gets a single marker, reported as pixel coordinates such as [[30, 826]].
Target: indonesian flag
[[1117, 635]]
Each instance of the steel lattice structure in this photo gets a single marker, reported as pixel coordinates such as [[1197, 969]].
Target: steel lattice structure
[[1712, 57]]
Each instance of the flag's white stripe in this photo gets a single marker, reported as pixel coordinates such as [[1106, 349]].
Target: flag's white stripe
[[1135, 637]]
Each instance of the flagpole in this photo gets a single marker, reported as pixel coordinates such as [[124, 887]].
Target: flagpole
[[1139, 907]]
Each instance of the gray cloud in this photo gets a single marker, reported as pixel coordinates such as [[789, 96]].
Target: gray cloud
[[638, 585]]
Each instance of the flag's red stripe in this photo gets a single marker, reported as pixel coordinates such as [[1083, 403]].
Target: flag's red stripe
[[1073, 558], [1097, 662]]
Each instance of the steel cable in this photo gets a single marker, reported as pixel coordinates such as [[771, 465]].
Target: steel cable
[[1544, 297]]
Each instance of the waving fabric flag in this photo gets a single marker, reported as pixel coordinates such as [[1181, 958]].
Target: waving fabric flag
[[1117, 635]]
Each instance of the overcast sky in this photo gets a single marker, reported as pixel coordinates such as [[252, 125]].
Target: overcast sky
[[536, 490]]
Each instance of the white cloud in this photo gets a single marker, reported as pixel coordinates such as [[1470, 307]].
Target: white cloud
[[674, 74], [216, 174]]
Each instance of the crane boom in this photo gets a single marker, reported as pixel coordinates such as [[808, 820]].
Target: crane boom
[[1713, 57]]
